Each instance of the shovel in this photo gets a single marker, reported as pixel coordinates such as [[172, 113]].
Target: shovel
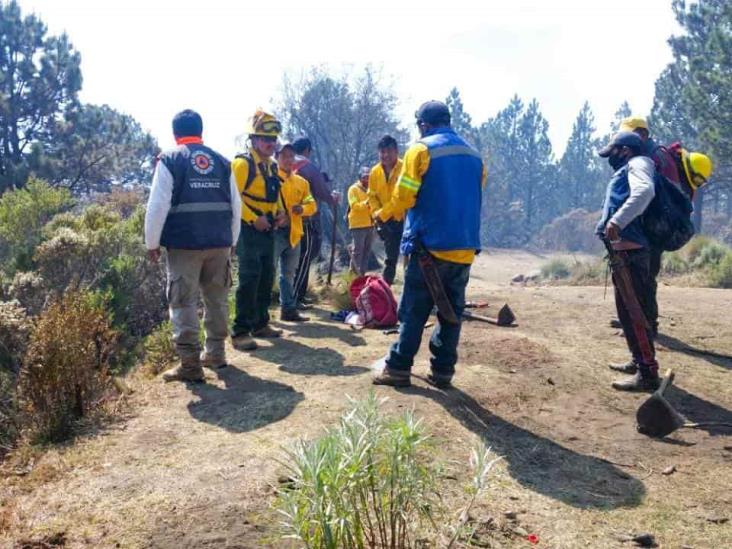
[[657, 418], [506, 318]]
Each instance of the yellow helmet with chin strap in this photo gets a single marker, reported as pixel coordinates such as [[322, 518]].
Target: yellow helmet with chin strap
[[697, 168], [264, 125]]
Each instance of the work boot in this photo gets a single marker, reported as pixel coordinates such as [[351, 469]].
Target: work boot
[[184, 373], [630, 367], [212, 362], [293, 316], [615, 323], [302, 306], [267, 332], [441, 382], [638, 383], [392, 378], [243, 342]]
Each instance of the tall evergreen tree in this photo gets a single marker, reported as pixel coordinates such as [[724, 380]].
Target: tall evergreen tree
[[39, 80], [580, 174]]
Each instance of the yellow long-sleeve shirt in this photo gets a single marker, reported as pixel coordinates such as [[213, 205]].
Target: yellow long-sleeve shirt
[[359, 209], [296, 191], [416, 163], [251, 207], [381, 189]]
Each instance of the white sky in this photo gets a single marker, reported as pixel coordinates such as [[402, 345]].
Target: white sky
[[226, 58]]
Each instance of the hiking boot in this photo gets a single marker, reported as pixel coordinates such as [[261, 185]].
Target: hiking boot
[[440, 382], [638, 383], [243, 342], [302, 306], [630, 367], [212, 362], [392, 378], [293, 316], [267, 332], [615, 323], [180, 373]]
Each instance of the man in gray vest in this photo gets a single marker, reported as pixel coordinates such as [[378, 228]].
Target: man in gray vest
[[194, 212]]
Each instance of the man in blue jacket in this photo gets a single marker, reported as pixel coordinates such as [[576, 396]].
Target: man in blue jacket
[[629, 192]]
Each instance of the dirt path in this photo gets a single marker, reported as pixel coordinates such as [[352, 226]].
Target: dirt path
[[194, 466]]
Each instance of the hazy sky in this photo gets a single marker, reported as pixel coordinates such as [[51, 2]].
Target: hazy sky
[[225, 58]]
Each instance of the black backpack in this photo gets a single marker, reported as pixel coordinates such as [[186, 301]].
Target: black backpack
[[667, 220]]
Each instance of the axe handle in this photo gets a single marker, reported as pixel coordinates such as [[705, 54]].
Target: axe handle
[[668, 379]]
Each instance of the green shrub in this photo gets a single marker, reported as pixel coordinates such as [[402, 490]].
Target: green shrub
[[159, 349], [23, 213], [587, 273], [15, 328], [367, 483], [710, 255], [720, 275], [556, 269], [64, 375], [694, 247], [674, 264]]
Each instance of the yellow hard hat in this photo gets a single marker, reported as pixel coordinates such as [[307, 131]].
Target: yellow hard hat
[[264, 124], [632, 123], [697, 167]]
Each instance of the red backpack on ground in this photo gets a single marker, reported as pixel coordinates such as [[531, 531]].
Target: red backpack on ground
[[374, 301]]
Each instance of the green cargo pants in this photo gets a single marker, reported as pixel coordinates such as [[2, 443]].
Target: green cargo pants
[[255, 251]]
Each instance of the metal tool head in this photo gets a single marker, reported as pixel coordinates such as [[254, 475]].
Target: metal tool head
[[505, 316], [656, 417]]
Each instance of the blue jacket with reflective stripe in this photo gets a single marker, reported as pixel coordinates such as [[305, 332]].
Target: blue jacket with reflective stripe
[[200, 213], [618, 191], [446, 214]]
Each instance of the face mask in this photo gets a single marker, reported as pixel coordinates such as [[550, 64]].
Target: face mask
[[617, 161]]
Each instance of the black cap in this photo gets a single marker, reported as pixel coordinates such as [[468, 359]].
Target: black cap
[[434, 113], [622, 139]]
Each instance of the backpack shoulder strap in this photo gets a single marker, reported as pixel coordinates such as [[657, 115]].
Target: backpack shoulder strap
[[251, 172]]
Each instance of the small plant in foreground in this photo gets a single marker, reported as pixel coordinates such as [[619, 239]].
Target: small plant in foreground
[[369, 482]]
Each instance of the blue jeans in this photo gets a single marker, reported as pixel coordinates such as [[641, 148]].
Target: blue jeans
[[286, 258], [414, 310]]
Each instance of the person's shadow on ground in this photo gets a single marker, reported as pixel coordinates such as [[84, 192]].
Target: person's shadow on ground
[[295, 358], [698, 410], [245, 403], [676, 345], [538, 463]]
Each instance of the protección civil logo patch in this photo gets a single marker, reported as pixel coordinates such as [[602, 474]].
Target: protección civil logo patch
[[202, 162]]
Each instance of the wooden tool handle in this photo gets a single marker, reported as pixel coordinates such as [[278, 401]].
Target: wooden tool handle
[[668, 379]]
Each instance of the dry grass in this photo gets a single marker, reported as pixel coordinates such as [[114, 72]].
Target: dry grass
[[194, 467]]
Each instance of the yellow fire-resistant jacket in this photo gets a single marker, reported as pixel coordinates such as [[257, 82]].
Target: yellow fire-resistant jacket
[[381, 189], [251, 208], [296, 190], [359, 210]]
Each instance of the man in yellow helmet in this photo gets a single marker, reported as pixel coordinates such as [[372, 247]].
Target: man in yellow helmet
[[262, 212]]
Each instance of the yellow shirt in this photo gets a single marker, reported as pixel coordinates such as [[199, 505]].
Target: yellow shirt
[[296, 191], [251, 208], [416, 162], [359, 209], [381, 189]]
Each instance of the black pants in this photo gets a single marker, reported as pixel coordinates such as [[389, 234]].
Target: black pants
[[255, 251], [639, 267], [391, 233], [309, 246]]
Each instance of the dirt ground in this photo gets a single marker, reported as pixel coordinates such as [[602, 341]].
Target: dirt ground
[[194, 466]]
